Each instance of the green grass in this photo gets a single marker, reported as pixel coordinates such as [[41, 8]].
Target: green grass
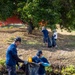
[[71, 44], [32, 42], [2, 62]]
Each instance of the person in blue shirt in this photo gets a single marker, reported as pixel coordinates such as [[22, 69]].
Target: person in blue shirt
[[12, 58], [42, 61], [46, 38]]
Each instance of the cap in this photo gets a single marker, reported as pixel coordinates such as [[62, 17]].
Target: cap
[[18, 39], [39, 52]]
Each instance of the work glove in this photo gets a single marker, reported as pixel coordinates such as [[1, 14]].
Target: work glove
[[45, 64], [25, 62]]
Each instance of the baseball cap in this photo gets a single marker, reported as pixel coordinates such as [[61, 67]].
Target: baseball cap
[[39, 52], [18, 39]]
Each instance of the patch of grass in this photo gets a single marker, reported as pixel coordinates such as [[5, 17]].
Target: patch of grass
[[71, 37], [7, 27], [10, 40], [32, 42], [11, 27], [71, 44]]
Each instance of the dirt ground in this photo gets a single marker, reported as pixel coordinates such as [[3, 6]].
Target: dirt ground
[[63, 54]]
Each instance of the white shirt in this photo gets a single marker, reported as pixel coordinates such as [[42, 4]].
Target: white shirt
[[43, 27], [55, 35]]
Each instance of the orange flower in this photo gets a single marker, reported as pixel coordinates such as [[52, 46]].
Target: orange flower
[[43, 23]]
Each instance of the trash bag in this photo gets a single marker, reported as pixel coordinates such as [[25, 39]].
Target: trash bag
[[53, 42], [30, 68], [49, 43], [24, 68]]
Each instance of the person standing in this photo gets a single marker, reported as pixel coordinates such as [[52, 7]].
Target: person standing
[[46, 38], [54, 38], [12, 58]]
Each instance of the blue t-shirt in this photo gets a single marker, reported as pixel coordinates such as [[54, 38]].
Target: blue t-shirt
[[11, 51], [45, 33], [37, 60]]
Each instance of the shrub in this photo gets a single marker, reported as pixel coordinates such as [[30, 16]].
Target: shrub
[[69, 70], [48, 70], [2, 62], [2, 66]]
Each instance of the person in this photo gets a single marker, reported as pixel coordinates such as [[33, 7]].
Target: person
[[12, 58], [54, 38], [46, 38], [42, 61], [30, 68]]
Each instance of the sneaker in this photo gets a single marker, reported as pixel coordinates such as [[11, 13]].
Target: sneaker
[[56, 46]]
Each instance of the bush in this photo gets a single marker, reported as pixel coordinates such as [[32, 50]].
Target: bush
[[48, 70], [2, 62], [69, 70], [2, 66]]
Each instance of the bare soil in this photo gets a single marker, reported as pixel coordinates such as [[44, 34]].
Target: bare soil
[[63, 54]]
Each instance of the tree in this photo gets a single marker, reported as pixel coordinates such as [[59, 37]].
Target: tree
[[53, 11], [6, 8]]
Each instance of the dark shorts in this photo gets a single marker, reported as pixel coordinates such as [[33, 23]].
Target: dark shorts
[[45, 40]]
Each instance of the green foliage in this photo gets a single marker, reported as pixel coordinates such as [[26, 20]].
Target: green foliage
[[48, 69], [6, 8], [2, 62], [54, 11], [70, 70]]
